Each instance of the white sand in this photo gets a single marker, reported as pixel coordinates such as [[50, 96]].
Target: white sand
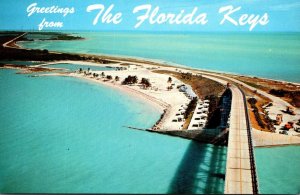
[[84, 63], [158, 95], [170, 100]]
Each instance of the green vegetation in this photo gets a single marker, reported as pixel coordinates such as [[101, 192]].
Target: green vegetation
[[146, 83], [250, 84], [214, 112], [95, 75], [130, 80], [109, 77], [191, 107], [44, 36], [15, 53], [252, 102], [189, 112], [293, 95], [186, 76]]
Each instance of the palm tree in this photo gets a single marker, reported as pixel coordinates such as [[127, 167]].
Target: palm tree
[[102, 74], [117, 78]]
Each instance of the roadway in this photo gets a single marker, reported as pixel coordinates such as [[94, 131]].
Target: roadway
[[14, 39], [240, 167], [240, 175]]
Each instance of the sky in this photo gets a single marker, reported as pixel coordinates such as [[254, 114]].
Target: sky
[[283, 15]]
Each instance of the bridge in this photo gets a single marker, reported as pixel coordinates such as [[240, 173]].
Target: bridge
[[241, 177]]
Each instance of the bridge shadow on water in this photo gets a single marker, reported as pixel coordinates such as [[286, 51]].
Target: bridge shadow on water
[[203, 166], [202, 170]]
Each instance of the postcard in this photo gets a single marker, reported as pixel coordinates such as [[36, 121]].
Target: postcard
[[150, 97]]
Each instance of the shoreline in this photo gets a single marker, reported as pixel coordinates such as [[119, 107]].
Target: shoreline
[[143, 95], [160, 62], [159, 105], [104, 60]]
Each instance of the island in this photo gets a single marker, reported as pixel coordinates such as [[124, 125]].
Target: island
[[202, 107], [237, 111]]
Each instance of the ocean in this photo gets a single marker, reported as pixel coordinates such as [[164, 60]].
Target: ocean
[[268, 55], [64, 135], [278, 169]]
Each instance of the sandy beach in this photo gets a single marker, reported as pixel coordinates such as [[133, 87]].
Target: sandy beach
[[164, 100], [158, 94]]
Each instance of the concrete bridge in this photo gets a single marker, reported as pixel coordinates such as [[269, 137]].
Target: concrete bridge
[[241, 177]]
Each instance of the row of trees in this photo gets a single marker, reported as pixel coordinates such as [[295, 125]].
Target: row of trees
[[127, 81], [191, 107], [95, 75], [189, 76], [252, 102], [130, 80], [186, 76]]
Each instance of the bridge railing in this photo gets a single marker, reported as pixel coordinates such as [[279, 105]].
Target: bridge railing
[[251, 148]]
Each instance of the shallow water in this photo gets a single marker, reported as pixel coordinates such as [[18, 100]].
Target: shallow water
[[278, 169], [132, 161], [18, 62], [74, 67], [65, 135], [269, 55]]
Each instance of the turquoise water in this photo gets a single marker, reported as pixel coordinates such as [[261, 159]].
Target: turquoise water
[[126, 160], [74, 67], [61, 135], [269, 55], [18, 62], [278, 170]]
